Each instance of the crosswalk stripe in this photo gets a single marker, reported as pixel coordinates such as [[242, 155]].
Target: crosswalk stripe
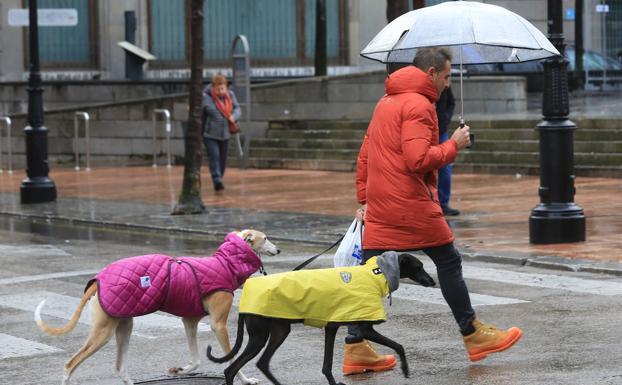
[[547, 281], [43, 277], [434, 295], [61, 306], [12, 347], [31, 250]]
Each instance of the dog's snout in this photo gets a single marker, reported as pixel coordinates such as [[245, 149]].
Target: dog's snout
[[278, 251]]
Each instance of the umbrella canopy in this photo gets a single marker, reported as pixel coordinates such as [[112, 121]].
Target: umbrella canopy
[[476, 33]]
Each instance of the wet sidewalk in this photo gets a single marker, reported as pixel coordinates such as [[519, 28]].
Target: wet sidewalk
[[315, 207]]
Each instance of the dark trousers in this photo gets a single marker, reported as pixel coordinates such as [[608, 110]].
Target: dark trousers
[[444, 178], [216, 157], [449, 271]]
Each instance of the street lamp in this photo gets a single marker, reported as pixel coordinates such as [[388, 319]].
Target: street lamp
[[557, 219], [37, 187]]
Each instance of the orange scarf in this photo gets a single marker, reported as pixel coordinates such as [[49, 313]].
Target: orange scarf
[[225, 109]]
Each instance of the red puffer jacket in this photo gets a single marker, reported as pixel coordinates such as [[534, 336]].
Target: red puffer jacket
[[397, 167]]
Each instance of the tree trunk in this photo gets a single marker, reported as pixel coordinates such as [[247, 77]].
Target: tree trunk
[[190, 199], [320, 38], [396, 8]]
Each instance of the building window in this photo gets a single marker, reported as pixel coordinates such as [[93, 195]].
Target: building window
[[280, 32], [167, 30], [69, 47]]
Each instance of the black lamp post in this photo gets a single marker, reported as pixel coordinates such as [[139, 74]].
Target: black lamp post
[[37, 187], [557, 219]]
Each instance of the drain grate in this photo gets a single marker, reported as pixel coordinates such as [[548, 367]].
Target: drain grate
[[191, 379]]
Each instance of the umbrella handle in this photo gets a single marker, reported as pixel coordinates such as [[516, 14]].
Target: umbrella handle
[[471, 136]]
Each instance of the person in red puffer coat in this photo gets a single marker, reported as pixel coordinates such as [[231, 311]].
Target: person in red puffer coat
[[396, 184]]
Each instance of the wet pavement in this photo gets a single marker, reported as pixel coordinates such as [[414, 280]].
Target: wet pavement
[[315, 207], [568, 317]]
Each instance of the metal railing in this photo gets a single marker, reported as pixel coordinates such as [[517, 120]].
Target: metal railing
[[167, 120], [7, 122], [84, 116], [604, 80]]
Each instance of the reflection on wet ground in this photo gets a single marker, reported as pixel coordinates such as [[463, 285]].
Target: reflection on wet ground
[[49, 232]]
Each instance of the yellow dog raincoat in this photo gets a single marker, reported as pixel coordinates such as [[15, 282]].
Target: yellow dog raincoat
[[319, 296]]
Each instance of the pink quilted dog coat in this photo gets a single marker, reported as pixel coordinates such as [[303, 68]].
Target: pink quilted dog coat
[[141, 285]]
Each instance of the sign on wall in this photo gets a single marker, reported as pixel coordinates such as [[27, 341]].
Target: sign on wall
[[52, 17]]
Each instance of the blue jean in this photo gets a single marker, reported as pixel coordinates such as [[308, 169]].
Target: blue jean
[[216, 157], [444, 178], [448, 263]]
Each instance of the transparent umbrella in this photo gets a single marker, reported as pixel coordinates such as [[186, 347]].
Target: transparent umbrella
[[475, 33]]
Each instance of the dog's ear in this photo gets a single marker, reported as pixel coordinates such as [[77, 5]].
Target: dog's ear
[[249, 237]]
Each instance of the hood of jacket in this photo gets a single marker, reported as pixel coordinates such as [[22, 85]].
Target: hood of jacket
[[389, 263], [411, 79], [240, 257]]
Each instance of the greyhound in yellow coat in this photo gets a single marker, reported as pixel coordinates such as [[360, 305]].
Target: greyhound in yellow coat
[[326, 298]]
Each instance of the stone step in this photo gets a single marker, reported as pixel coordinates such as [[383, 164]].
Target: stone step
[[318, 124], [316, 134], [599, 147], [329, 143], [519, 170], [532, 134], [298, 164], [533, 158], [294, 153]]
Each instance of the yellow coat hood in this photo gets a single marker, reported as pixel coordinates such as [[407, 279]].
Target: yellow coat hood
[[316, 297]]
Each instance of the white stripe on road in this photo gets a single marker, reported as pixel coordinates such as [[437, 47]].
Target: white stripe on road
[[11, 347], [547, 281], [32, 250], [43, 277], [62, 306], [433, 295]]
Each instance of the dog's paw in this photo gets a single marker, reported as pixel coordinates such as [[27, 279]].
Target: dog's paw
[[251, 381], [181, 371]]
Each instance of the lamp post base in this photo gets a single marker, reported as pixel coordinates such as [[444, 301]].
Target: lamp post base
[[37, 190], [556, 223]]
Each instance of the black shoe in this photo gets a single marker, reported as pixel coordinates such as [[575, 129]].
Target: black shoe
[[450, 212], [218, 186]]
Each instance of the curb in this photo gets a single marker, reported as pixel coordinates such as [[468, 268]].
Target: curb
[[550, 262]]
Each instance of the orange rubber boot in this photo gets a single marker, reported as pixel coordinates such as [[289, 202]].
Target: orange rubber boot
[[487, 339], [360, 357]]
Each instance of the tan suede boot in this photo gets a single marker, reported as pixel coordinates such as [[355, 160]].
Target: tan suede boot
[[487, 339], [360, 357]]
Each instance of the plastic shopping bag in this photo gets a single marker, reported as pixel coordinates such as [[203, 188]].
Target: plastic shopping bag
[[350, 251]]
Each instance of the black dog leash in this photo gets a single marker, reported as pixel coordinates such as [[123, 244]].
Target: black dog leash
[[308, 261]]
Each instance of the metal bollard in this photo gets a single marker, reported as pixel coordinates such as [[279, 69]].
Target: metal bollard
[[86, 118], [167, 120], [7, 121]]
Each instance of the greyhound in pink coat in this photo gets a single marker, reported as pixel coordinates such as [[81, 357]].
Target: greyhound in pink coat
[[185, 286]]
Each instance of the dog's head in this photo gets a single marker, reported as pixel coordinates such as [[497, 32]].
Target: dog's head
[[412, 268], [258, 242]]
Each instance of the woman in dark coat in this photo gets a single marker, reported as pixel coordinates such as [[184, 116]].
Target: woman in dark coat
[[221, 112]]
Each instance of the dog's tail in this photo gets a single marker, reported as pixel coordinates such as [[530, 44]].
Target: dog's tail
[[88, 293], [236, 348]]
